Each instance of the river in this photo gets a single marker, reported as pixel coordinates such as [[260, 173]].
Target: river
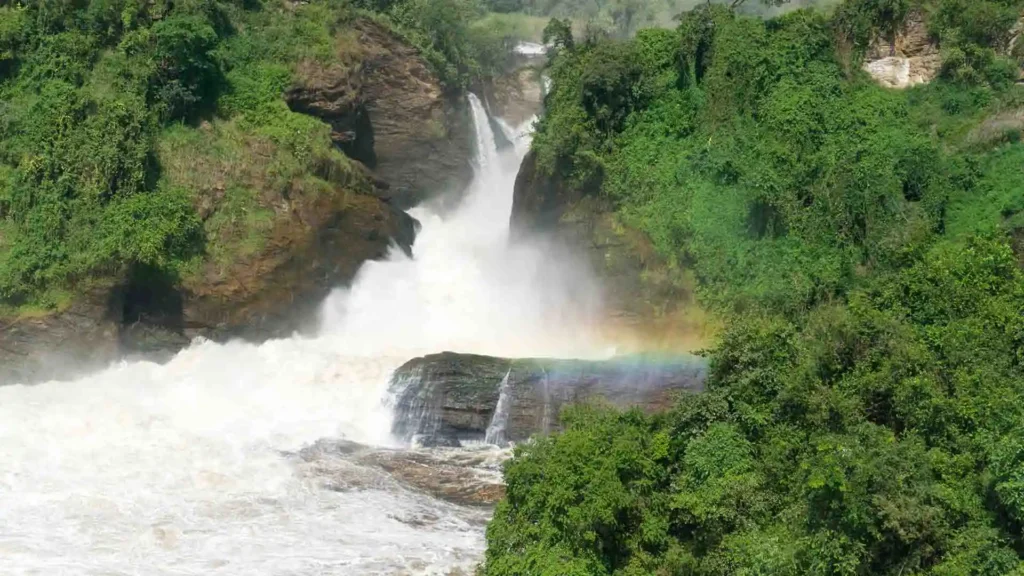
[[190, 467]]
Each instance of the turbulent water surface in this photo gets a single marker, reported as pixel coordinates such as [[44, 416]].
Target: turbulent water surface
[[192, 467]]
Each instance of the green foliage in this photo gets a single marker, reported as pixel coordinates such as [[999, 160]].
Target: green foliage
[[592, 500], [558, 33], [862, 20], [185, 73], [863, 439], [864, 409], [461, 41], [973, 34], [90, 90]]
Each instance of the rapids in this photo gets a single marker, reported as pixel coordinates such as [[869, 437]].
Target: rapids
[[188, 468]]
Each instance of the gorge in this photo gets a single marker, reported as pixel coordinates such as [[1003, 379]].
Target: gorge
[[278, 457], [294, 287]]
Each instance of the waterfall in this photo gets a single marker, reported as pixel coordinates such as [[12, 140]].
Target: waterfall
[[145, 468], [416, 406], [496, 429], [545, 424]]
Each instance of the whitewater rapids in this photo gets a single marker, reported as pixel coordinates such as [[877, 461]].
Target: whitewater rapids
[[183, 468]]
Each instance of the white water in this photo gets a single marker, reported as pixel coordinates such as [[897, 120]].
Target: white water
[[495, 433], [177, 469], [531, 49]]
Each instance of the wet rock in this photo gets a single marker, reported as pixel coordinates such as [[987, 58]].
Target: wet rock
[[83, 337], [467, 477], [457, 394], [458, 478], [540, 199], [435, 441]]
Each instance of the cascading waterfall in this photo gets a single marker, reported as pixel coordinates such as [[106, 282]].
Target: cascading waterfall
[[179, 468], [496, 429], [418, 412], [545, 424]]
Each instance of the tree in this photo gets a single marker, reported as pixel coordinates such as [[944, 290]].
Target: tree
[[558, 33], [737, 3]]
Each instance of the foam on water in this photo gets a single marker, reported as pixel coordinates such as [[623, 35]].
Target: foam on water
[[178, 468]]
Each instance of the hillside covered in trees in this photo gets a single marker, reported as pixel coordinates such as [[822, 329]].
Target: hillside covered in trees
[[91, 91], [864, 246], [172, 169]]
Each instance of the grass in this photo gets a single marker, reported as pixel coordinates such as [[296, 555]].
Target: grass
[[52, 301], [238, 227], [240, 170]]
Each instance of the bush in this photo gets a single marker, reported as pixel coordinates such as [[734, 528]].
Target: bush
[[864, 408], [186, 77], [85, 87]]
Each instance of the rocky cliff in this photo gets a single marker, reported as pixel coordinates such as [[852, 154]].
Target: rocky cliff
[[283, 225], [447, 397], [909, 58], [517, 95], [646, 300], [390, 112]]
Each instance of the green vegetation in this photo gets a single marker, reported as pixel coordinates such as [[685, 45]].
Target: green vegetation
[[623, 18], [119, 120], [865, 408]]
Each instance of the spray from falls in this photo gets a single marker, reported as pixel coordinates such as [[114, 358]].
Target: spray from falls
[[147, 468]]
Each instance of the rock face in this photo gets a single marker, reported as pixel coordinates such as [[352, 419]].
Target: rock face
[[390, 112], [540, 200], [908, 59], [457, 395], [316, 243], [517, 95], [644, 297], [466, 477], [83, 337], [300, 237]]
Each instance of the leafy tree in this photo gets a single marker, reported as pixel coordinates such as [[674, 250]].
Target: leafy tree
[[558, 33], [185, 73], [864, 406]]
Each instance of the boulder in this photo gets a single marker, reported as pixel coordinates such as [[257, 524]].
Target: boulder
[[466, 477], [458, 395]]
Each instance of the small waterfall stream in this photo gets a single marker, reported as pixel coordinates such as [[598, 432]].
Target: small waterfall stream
[[496, 429]]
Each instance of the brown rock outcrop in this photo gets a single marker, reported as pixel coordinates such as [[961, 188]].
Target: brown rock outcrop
[[907, 59], [282, 229], [316, 242], [388, 110], [457, 395]]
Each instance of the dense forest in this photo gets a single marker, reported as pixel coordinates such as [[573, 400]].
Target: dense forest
[[625, 17], [863, 246], [865, 409]]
